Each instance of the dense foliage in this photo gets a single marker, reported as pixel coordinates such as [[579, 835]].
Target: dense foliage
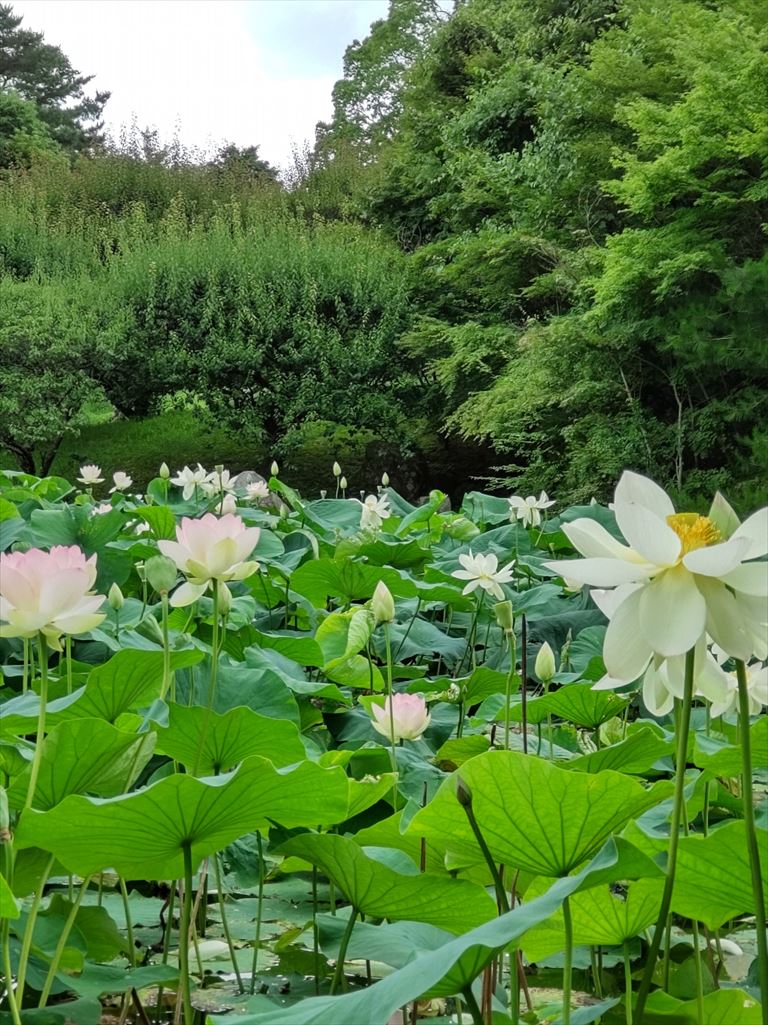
[[583, 187]]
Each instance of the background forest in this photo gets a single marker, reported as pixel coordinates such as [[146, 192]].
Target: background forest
[[529, 248]]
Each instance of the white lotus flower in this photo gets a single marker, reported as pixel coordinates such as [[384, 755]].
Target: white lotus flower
[[483, 571], [102, 509], [190, 480], [121, 481], [674, 581], [210, 549], [374, 511], [221, 482], [528, 510], [259, 489], [90, 474], [757, 692], [228, 505]]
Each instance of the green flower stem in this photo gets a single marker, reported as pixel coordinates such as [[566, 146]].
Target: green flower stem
[[508, 692], [627, 984], [393, 751], [752, 845], [166, 647], [472, 1005], [25, 676], [225, 923], [26, 941], [166, 942], [674, 836], [568, 965], [5, 929], [212, 681], [184, 930], [68, 655], [339, 979], [128, 923], [469, 653], [315, 937], [63, 937], [698, 973], [465, 800], [260, 902], [524, 679], [38, 755]]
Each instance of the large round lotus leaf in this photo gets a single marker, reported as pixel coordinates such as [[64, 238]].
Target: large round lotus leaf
[[378, 890], [141, 835], [533, 815]]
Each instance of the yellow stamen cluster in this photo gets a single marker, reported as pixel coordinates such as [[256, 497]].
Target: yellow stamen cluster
[[694, 531]]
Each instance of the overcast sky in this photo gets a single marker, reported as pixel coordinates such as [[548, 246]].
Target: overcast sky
[[243, 71]]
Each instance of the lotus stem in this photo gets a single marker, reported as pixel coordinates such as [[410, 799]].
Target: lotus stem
[[68, 656], [63, 937], [212, 681], [684, 725], [752, 845], [339, 979], [225, 923], [166, 648], [508, 691], [465, 800], [260, 899], [472, 1005], [524, 678], [40, 735], [5, 928], [128, 923], [26, 942], [184, 930], [393, 750], [568, 965], [627, 984]]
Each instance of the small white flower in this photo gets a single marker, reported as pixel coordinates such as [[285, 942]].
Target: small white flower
[[483, 571], [221, 482], [190, 480], [258, 489], [528, 510], [90, 474], [121, 480], [757, 692], [100, 510], [374, 511], [228, 505]]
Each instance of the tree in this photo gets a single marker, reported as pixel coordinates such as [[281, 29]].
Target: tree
[[243, 164], [48, 371], [23, 136], [42, 73], [367, 100]]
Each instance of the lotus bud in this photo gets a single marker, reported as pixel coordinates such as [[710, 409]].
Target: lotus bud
[[150, 628], [343, 483], [5, 817], [383, 604], [463, 793], [228, 505], [274, 469], [505, 616], [161, 573], [545, 663], [284, 510], [225, 598], [385, 479], [164, 473], [336, 470], [115, 598]]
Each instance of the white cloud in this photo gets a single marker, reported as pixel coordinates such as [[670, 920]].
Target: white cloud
[[245, 72]]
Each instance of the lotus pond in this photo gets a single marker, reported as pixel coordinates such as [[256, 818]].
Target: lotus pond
[[266, 759]]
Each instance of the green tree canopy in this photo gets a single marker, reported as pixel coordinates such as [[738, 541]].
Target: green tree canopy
[[42, 73]]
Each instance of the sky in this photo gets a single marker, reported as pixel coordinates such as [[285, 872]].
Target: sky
[[250, 72]]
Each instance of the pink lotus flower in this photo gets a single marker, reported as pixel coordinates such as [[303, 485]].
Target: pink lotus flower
[[49, 593], [211, 548], [410, 715]]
